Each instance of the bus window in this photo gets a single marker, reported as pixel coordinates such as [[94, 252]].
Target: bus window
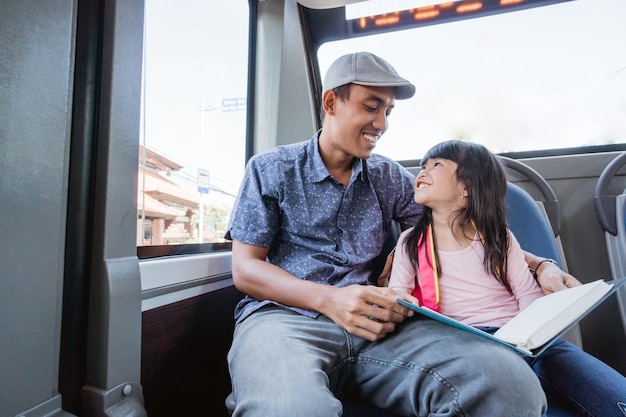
[[192, 142], [533, 79]]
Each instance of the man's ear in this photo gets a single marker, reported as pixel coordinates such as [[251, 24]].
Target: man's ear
[[329, 99]]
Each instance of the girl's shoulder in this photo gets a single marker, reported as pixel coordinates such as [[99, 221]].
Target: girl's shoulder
[[512, 237], [513, 242]]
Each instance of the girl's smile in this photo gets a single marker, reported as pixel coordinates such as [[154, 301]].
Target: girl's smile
[[437, 186]]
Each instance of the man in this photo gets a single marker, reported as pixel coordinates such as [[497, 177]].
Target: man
[[309, 220]]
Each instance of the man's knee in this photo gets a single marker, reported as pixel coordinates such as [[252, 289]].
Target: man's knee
[[510, 384], [278, 368], [285, 404]]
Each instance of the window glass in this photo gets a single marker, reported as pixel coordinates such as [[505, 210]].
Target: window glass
[[192, 144], [540, 78]]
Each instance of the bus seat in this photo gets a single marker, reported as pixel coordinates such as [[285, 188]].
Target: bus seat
[[550, 202], [529, 222], [611, 213], [537, 224]]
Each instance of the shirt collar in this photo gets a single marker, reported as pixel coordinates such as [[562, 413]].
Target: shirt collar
[[318, 171]]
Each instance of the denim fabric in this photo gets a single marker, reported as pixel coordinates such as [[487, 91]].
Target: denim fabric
[[284, 364], [578, 380]]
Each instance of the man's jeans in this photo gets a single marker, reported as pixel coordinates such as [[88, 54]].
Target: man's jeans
[[283, 364]]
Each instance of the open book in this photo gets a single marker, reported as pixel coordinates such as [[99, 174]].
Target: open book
[[534, 329]]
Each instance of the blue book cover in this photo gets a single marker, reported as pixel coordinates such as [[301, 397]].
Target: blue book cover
[[536, 327]]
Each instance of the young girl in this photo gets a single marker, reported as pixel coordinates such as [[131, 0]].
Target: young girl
[[462, 260]]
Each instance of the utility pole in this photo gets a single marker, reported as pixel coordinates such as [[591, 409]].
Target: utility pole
[[203, 174]]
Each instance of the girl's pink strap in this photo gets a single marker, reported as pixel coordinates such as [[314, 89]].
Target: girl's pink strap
[[427, 290]]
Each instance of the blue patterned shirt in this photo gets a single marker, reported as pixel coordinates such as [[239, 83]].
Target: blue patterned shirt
[[312, 225]]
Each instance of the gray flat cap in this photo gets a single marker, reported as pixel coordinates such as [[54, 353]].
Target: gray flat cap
[[365, 68]]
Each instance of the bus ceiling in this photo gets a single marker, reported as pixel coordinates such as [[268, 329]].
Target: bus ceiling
[[329, 20]]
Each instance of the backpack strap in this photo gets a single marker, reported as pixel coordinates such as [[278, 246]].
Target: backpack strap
[[427, 290]]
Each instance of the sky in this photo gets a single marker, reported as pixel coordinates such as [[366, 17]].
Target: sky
[[552, 76], [546, 77], [194, 59]]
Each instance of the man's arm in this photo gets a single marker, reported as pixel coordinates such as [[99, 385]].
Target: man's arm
[[549, 276], [366, 311]]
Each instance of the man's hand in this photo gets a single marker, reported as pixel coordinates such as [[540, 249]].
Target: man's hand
[[366, 311], [552, 279]]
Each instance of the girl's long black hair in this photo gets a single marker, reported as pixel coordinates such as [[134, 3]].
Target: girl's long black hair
[[482, 173]]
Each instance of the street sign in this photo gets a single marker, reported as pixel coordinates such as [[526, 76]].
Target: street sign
[[203, 181], [234, 104]]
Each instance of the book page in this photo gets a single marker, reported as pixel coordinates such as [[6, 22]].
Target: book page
[[548, 315]]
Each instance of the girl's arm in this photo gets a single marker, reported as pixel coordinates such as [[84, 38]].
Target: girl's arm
[[525, 288], [403, 274]]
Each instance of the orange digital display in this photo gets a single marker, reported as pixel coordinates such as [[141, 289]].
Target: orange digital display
[[442, 12], [426, 14], [469, 7]]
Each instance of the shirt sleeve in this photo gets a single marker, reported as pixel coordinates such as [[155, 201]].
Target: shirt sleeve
[[255, 216], [394, 187], [407, 210], [403, 273], [524, 286]]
